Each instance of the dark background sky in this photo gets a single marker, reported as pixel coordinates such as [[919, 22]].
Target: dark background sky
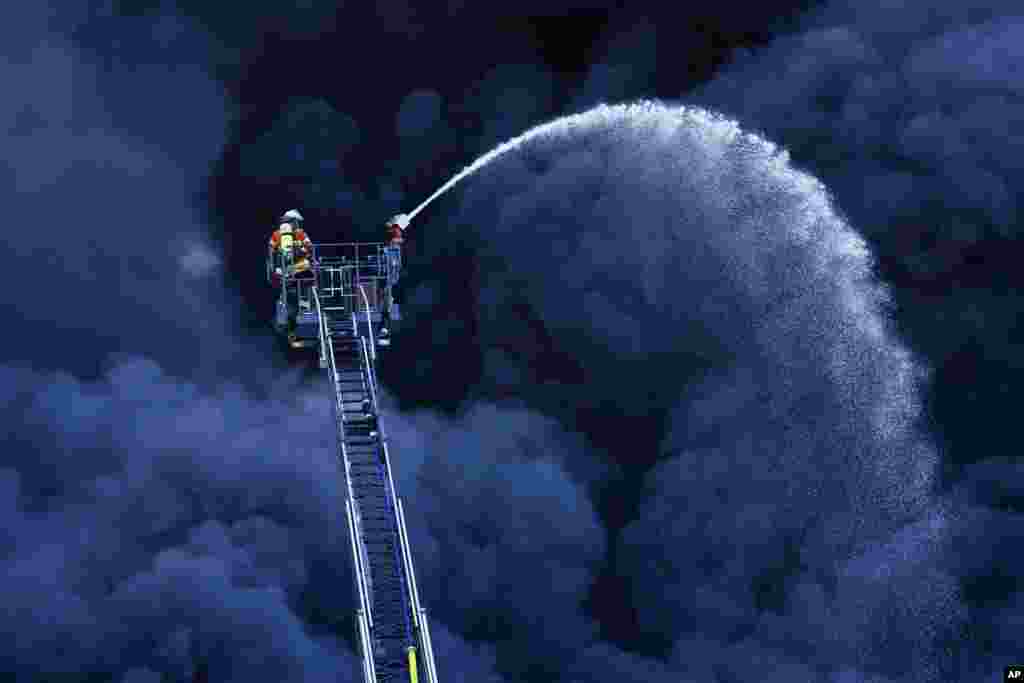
[[659, 413]]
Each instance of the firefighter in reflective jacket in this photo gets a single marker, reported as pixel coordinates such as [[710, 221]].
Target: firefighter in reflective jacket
[[292, 243], [293, 252]]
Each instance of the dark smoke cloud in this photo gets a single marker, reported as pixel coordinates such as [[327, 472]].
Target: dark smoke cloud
[[507, 542], [908, 113], [625, 70], [107, 250], [420, 111], [427, 139], [908, 119], [310, 148], [157, 529], [689, 270], [508, 99], [154, 524], [670, 306], [154, 528]]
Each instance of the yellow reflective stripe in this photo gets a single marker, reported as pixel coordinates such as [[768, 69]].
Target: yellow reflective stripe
[[413, 675]]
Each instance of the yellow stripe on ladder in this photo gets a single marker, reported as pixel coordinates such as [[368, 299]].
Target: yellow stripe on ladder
[[413, 675]]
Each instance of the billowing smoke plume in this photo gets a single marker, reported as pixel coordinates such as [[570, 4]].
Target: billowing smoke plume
[[711, 462], [688, 271], [155, 528], [907, 112]]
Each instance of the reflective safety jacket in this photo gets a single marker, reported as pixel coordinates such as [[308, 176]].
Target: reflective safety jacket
[[286, 242]]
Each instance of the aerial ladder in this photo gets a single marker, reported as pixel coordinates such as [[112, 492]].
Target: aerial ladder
[[351, 297]]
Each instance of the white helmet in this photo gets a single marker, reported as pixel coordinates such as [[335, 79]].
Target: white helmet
[[292, 216]]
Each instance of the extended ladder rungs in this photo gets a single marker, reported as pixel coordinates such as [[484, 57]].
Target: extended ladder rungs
[[377, 537]]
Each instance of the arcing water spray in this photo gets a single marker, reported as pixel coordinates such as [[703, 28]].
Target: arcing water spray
[[563, 126]]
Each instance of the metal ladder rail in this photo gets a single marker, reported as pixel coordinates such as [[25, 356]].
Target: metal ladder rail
[[364, 615], [373, 341], [378, 515], [418, 626], [367, 516], [415, 631], [393, 570], [400, 551], [419, 613]]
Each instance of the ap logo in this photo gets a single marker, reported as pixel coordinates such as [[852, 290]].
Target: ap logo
[[1014, 673]]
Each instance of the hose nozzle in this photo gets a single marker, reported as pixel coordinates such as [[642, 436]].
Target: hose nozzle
[[401, 220]]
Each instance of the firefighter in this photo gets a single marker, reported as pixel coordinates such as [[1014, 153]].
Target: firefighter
[[293, 253], [292, 243], [394, 232], [393, 228]]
